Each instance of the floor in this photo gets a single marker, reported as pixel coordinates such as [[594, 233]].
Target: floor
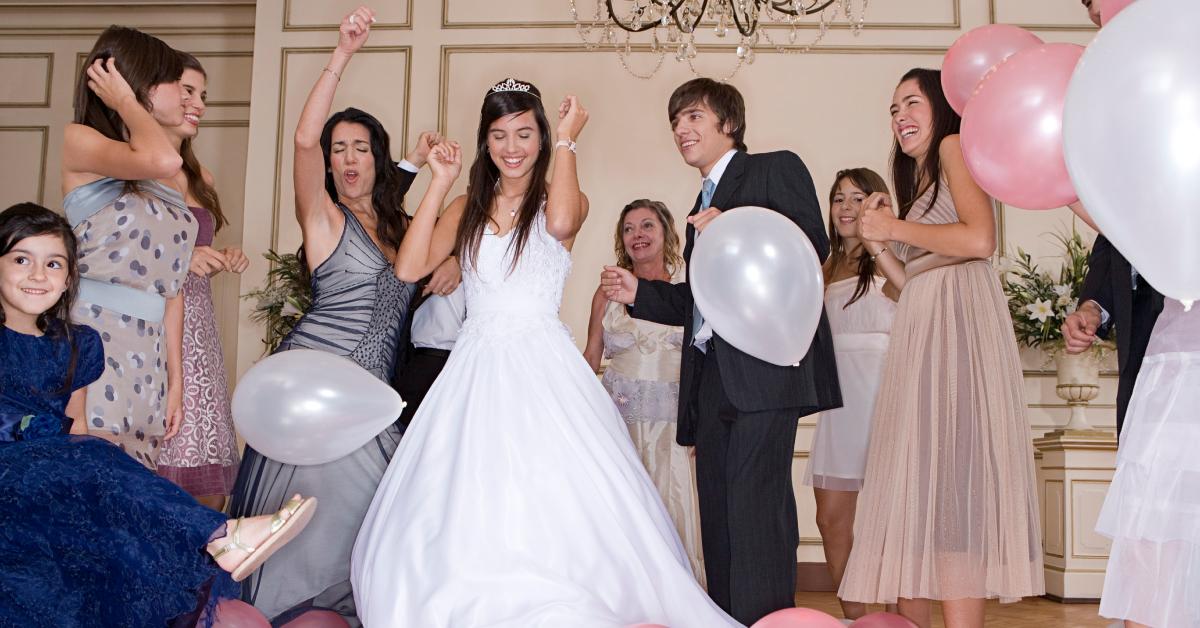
[[1038, 612]]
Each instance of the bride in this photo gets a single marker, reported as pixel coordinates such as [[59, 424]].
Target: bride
[[516, 497]]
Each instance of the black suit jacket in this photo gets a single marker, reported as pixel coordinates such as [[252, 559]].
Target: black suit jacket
[[779, 181], [1109, 283]]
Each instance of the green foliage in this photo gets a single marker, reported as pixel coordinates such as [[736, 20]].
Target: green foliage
[[1038, 302], [286, 296]]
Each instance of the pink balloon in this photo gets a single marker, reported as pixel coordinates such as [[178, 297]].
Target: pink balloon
[[882, 620], [318, 619], [1012, 128], [1110, 8], [977, 51], [238, 614], [798, 618]]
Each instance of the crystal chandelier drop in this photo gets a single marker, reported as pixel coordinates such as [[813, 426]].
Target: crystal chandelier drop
[[674, 24]]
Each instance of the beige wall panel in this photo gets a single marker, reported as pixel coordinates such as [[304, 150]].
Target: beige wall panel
[[1048, 14], [1054, 519], [556, 13], [159, 18], [1087, 499], [328, 14], [363, 86], [24, 164], [627, 151], [27, 79], [228, 77]]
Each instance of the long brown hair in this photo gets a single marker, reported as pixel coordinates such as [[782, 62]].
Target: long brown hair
[[905, 176], [671, 256], [869, 182], [485, 176], [204, 193], [143, 60], [27, 220]]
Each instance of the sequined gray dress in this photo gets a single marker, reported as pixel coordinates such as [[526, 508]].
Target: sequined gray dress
[[359, 308]]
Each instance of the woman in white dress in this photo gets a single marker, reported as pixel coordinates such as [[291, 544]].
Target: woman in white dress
[[643, 370], [516, 498], [1152, 511], [861, 305]]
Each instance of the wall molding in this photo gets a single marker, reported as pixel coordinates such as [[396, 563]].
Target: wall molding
[[288, 27], [45, 131], [1040, 27], [236, 54], [954, 24], [285, 52], [49, 80]]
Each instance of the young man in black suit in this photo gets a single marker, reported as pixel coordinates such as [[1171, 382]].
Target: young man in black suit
[[739, 412]]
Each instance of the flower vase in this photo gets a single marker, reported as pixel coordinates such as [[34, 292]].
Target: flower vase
[[1078, 383]]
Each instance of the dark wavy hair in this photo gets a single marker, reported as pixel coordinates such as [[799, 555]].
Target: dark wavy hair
[[27, 220], [197, 186], [387, 197], [671, 256], [869, 182], [908, 178], [144, 61], [481, 187]]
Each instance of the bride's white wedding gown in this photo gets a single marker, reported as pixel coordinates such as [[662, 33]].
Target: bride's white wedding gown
[[516, 498]]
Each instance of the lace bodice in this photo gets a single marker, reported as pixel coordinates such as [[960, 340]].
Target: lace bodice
[[531, 291]]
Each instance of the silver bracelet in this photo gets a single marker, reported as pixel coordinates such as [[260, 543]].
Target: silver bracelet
[[569, 143], [884, 250], [335, 74]]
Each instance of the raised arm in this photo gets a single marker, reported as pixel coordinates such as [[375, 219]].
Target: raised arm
[[89, 155], [878, 206], [429, 239], [566, 206], [319, 218]]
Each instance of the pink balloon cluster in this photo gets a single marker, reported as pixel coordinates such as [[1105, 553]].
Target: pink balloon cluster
[[1010, 88], [798, 618]]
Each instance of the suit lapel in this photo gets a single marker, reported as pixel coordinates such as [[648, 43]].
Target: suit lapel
[[730, 181]]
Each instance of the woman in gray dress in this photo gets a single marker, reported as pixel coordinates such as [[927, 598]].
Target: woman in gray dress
[[349, 198]]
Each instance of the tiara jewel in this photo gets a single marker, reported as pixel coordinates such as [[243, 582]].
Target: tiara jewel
[[509, 85]]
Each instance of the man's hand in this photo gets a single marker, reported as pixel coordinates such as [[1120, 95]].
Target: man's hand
[[618, 285], [701, 219], [1079, 330]]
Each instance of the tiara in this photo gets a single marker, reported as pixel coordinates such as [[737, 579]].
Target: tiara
[[509, 85]]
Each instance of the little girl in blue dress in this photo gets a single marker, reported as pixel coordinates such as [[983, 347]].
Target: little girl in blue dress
[[74, 508]]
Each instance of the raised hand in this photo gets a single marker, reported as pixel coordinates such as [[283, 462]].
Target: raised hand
[[236, 259], [618, 285], [107, 83], [445, 160], [876, 221], [701, 219], [420, 151], [572, 117], [355, 28]]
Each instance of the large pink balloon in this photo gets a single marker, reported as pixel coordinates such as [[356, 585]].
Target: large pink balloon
[[1110, 8], [882, 620], [798, 618], [977, 51], [238, 614], [1012, 128]]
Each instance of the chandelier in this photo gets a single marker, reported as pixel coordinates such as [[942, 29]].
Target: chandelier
[[674, 24]]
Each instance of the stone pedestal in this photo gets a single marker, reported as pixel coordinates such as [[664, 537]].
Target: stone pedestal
[[1076, 467]]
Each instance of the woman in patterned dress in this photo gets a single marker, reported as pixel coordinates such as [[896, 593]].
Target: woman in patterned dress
[[643, 373], [135, 235], [203, 457]]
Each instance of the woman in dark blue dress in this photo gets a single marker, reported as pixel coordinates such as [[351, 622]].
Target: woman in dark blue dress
[[74, 509]]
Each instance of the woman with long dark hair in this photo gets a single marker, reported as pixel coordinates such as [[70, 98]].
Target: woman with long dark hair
[[948, 509], [203, 457], [135, 235], [860, 304], [349, 203], [517, 498]]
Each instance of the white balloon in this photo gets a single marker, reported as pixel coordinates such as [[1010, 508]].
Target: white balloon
[[757, 280], [1131, 134], [307, 407]]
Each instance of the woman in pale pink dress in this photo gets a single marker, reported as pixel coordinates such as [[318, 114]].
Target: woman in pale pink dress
[[203, 457]]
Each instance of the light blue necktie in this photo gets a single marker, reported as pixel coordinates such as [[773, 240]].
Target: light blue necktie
[[706, 195]]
